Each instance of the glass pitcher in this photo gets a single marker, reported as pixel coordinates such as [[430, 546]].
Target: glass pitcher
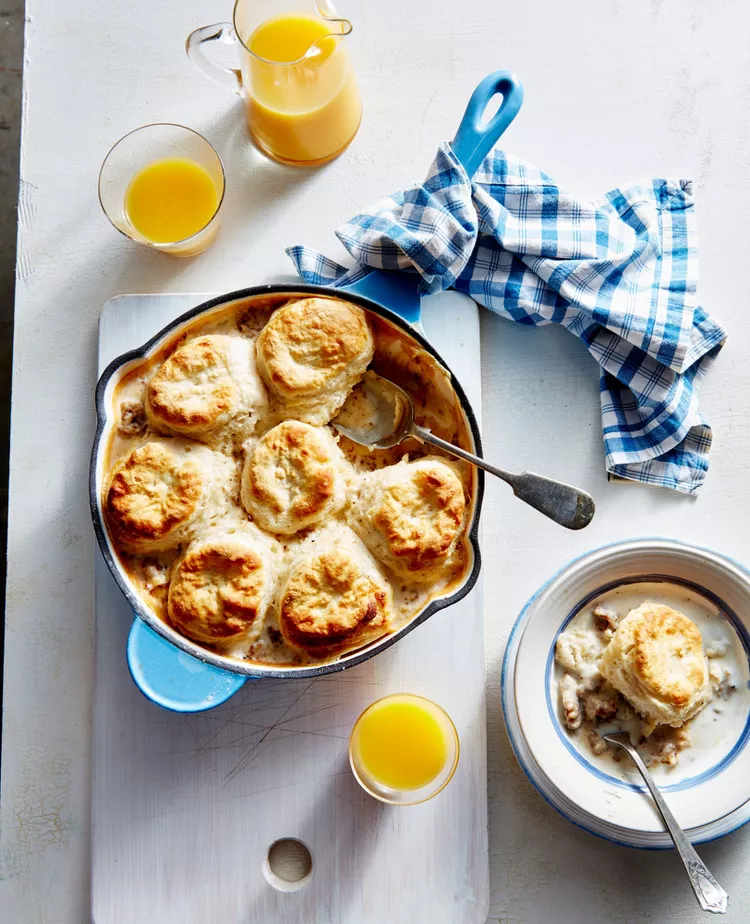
[[303, 104]]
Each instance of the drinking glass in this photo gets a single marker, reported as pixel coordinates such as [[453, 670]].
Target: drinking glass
[[142, 147], [384, 793]]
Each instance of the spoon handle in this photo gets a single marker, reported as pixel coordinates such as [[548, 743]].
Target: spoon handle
[[570, 507], [711, 897]]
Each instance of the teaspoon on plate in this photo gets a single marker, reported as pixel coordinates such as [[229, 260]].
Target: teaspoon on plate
[[380, 414], [711, 897]]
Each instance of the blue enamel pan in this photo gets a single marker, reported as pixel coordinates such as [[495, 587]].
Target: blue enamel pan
[[178, 674]]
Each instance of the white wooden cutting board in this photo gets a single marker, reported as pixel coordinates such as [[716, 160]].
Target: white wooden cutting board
[[185, 807]]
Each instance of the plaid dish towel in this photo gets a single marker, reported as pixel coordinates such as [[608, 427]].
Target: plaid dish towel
[[619, 272]]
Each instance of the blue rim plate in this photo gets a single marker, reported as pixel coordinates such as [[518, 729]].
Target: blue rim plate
[[708, 803]]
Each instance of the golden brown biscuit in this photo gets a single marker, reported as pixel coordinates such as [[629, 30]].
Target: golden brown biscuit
[[294, 477], [154, 495], [311, 354], [162, 491], [334, 600], [411, 515], [656, 661], [220, 590], [207, 389]]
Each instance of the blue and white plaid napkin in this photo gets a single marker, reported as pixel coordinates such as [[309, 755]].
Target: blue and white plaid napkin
[[619, 272]]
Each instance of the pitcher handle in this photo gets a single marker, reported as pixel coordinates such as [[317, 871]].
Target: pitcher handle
[[474, 141], [227, 77]]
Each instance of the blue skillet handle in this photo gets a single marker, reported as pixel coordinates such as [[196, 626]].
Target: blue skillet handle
[[173, 679], [397, 291], [474, 141]]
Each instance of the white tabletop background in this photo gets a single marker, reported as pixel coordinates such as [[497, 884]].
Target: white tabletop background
[[614, 91]]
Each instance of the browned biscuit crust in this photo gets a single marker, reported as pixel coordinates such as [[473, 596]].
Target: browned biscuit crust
[[411, 515], [193, 388], [292, 478], [664, 639], [331, 601], [655, 659], [151, 494], [421, 518], [218, 590], [314, 347]]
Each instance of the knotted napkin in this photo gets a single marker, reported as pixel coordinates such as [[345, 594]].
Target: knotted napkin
[[619, 272]]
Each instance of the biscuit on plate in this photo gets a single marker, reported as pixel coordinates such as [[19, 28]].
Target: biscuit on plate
[[410, 515], [334, 599], [163, 491], [656, 661], [208, 389], [294, 477], [220, 589], [311, 353]]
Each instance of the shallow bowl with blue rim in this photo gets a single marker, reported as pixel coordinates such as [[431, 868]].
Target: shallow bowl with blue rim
[[711, 795]]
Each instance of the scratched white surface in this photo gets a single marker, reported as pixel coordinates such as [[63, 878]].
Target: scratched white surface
[[614, 91]]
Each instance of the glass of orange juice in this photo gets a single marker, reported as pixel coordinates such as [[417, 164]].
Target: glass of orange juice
[[404, 749], [303, 104], [163, 185]]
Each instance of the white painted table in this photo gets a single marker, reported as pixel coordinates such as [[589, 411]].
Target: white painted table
[[613, 91]]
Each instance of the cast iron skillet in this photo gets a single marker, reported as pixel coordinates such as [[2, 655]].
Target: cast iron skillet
[[156, 652]]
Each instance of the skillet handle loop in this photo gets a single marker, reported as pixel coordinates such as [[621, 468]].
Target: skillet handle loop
[[173, 679], [474, 141]]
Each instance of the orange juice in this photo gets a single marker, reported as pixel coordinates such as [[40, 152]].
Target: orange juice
[[400, 743], [303, 105], [171, 200]]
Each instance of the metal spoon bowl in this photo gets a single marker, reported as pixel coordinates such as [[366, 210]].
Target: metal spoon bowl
[[380, 414]]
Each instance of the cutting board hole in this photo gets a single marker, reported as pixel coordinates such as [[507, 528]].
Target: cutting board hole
[[288, 865]]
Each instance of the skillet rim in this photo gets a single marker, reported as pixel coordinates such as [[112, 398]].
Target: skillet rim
[[171, 635]]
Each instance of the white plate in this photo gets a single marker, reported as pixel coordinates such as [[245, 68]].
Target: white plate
[[710, 800]]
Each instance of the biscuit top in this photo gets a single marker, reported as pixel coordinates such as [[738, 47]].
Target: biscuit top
[[293, 477], [153, 492], [193, 387], [205, 383], [310, 343], [410, 514], [218, 589], [331, 597], [668, 654], [655, 660], [421, 516]]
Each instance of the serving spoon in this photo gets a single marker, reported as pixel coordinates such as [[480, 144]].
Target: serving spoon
[[711, 897], [380, 414]]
